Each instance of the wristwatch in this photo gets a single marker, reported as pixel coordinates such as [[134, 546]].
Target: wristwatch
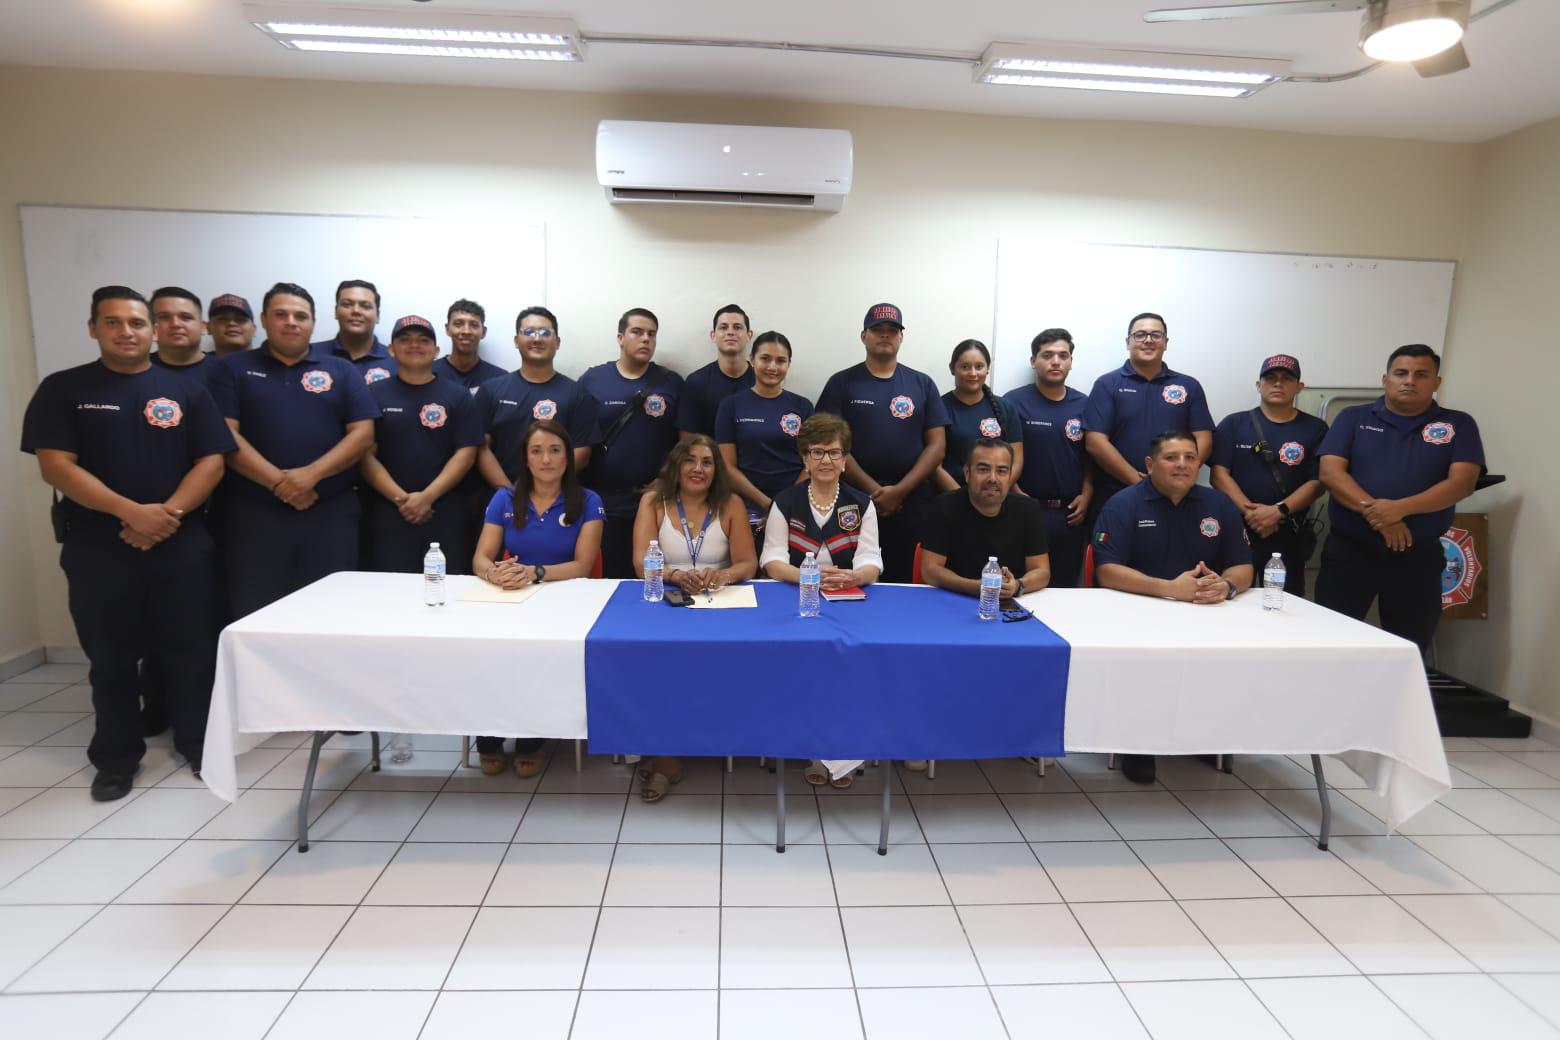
[[1283, 509], [1231, 594], [541, 573], [1020, 583]]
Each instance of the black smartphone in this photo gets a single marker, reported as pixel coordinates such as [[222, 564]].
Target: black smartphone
[[1011, 611], [673, 597]]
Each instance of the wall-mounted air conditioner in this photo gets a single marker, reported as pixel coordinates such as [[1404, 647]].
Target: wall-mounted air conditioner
[[710, 164]]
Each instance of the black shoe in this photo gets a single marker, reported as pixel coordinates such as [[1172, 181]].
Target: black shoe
[[110, 787], [1138, 768], [154, 720]]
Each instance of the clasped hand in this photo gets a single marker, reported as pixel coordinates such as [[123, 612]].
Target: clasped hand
[[415, 507], [510, 574], [296, 488], [148, 524], [1263, 520], [1200, 585], [699, 579]]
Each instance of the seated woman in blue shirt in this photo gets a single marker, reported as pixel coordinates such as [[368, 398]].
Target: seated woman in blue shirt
[[546, 528], [975, 412]]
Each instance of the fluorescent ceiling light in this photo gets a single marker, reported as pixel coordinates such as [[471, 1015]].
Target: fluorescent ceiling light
[[1411, 30], [418, 33], [1140, 72]]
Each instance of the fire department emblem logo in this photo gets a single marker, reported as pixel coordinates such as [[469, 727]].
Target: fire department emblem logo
[[655, 406], [1209, 527], [433, 416], [849, 517], [1292, 453], [545, 409], [990, 428], [1074, 429], [1175, 393], [163, 413], [1462, 569], [901, 407], [791, 424], [375, 374], [1438, 433], [317, 381]]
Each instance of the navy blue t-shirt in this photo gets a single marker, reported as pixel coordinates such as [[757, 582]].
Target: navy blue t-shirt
[[1131, 410], [641, 445], [1395, 456], [1294, 442], [200, 371], [377, 364], [968, 423], [421, 427], [702, 395], [1144, 530], [544, 539], [887, 417], [480, 373], [764, 432], [507, 406], [139, 434], [1052, 432], [292, 414]]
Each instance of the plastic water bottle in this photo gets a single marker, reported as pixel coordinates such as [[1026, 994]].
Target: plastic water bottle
[[990, 589], [809, 584], [433, 577], [400, 748], [655, 573], [1273, 578]]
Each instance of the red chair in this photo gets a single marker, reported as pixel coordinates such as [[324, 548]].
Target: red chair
[[595, 570], [1088, 566], [915, 566]]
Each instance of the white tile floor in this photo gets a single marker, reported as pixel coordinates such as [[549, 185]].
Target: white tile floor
[[436, 902]]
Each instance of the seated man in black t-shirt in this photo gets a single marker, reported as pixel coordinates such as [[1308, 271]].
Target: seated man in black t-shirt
[[979, 521]]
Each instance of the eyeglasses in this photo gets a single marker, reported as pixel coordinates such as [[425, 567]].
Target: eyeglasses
[[1154, 337], [819, 454], [537, 333]]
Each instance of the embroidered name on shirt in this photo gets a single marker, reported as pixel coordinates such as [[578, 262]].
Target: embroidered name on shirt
[[749, 419], [862, 400], [99, 407], [1147, 523], [393, 411], [1372, 429]]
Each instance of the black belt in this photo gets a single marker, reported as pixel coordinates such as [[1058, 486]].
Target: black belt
[[1053, 503]]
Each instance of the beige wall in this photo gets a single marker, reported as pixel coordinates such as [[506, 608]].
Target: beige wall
[[1499, 368], [932, 193]]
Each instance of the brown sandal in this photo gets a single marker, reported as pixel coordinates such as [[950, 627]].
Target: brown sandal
[[492, 763], [527, 766]]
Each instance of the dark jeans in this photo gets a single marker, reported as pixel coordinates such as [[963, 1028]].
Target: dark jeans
[[129, 605], [901, 532], [1405, 585], [1286, 542], [397, 547], [273, 549], [1066, 544], [617, 541], [495, 746]]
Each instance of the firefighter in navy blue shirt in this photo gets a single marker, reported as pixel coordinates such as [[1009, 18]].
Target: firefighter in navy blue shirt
[[231, 322], [1168, 536], [637, 402], [1053, 468], [302, 424], [974, 413], [357, 313], [508, 405], [757, 428], [134, 449], [1137, 402], [1266, 459], [706, 388], [466, 325], [425, 441], [1395, 469], [899, 426], [177, 331]]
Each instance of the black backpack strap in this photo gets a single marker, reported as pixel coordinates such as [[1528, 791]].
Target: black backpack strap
[[634, 404]]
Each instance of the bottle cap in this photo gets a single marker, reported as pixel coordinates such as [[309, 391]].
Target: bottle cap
[[433, 545]]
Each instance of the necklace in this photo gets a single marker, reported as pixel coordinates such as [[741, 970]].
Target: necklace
[[819, 507]]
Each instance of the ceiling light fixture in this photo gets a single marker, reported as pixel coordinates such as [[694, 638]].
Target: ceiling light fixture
[[418, 33], [1138, 72], [1411, 30]]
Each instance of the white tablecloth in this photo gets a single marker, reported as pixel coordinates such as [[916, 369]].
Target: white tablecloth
[[1153, 676], [359, 651]]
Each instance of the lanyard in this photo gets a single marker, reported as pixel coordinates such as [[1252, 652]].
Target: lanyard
[[694, 546]]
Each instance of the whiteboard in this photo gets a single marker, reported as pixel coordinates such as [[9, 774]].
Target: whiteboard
[[1226, 311], [420, 265]]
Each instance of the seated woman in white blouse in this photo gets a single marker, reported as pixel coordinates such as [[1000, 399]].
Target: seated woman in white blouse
[[702, 525], [830, 519]]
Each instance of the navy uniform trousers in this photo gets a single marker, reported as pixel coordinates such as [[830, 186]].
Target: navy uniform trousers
[[273, 549], [1405, 585]]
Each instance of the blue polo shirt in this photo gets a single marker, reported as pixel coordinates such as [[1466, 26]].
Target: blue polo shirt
[[1144, 530], [968, 423], [480, 373], [507, 406], [200, 371], [887, 417], [641, 445], [703, 392], [764, 432], [544, 539], [139, 434], [377, 364], [292, 414], [1294, 442], [420, 427], [1395, 456], [1052, 432], [1131, 410]]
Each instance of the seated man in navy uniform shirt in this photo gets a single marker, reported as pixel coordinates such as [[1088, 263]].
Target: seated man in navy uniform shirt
[[231, 322], [1396, 469], [1266, 459], [1170, 537], [134, 449], [302, 422], [706, 388], [465, 323], [981, 520], [425, 441], [357, 313]]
